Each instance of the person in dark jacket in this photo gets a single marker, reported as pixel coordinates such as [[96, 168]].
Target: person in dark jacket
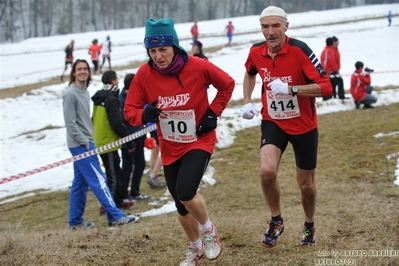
[[133, 163], [68, 57], [108, 127], [197, 50]]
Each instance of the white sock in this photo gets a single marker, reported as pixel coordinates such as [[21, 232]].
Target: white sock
[[207, 225], [152, 176], [197, 244]]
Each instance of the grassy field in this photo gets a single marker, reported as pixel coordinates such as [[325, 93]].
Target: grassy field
[[357, 209]]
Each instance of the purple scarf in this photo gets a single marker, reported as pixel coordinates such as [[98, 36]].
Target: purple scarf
[[174, 68]]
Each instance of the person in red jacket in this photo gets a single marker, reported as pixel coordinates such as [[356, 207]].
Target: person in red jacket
[[174, 85], [360, 87], [229, 32], [328, 60], [292, 77], [194, 31], [94, 51]]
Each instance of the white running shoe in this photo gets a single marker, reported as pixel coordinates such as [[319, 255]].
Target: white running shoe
[[213, 247], [193, 255], [124, 220]]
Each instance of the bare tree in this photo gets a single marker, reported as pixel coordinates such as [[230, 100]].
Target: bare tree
[[9, 22], [20, 19], [192, 9], [22, 16], [47, 14], [3, 7], [70, 11]]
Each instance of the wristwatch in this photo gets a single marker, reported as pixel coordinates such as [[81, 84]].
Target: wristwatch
[[294, 90]]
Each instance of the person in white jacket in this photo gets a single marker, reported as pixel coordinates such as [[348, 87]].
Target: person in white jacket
[[106, 52]]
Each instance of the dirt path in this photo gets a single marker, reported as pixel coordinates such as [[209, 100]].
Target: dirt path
[[20, 90]]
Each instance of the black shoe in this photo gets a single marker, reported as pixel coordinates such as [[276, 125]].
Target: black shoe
[[357, 104], [345, 98], [367, 106]]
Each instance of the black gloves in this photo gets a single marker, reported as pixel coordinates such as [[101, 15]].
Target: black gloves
[[208, 123], [151, 113]]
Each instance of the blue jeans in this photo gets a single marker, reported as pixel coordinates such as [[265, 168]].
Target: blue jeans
[[88, 173], [370, 99]]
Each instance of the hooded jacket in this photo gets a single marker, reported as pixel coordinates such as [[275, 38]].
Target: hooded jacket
[[359, 82], [107, 122]]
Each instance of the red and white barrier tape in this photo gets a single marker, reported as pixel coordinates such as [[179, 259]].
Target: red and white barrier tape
[[81, 156], [380, 72]]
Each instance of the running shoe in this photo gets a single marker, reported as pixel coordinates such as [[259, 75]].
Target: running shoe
[[213, 247], [140, 197], [193, 255], [308, 236], [274, 230], [124, 220], [82, 225], [155, 183]]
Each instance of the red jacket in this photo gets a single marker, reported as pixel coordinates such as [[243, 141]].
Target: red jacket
[[294, 64], [359, 81], [328, 60], [194, 30], [337, 58], [94, 51], [186, 92]]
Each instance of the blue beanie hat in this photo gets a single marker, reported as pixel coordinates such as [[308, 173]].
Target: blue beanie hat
[[161, 33]]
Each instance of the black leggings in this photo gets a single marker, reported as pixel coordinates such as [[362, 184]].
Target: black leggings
[[184, 176]]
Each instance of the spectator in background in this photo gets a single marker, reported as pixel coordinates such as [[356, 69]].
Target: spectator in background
[[108, 127], [68, 57], [194, 31], [360, 87], [133, 163], [329, 63], [292, 77], [106, 52], [229, 30], [87, 171], [173, 84], [94, 51], [197, 49], [389, 16], [339, 82]]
